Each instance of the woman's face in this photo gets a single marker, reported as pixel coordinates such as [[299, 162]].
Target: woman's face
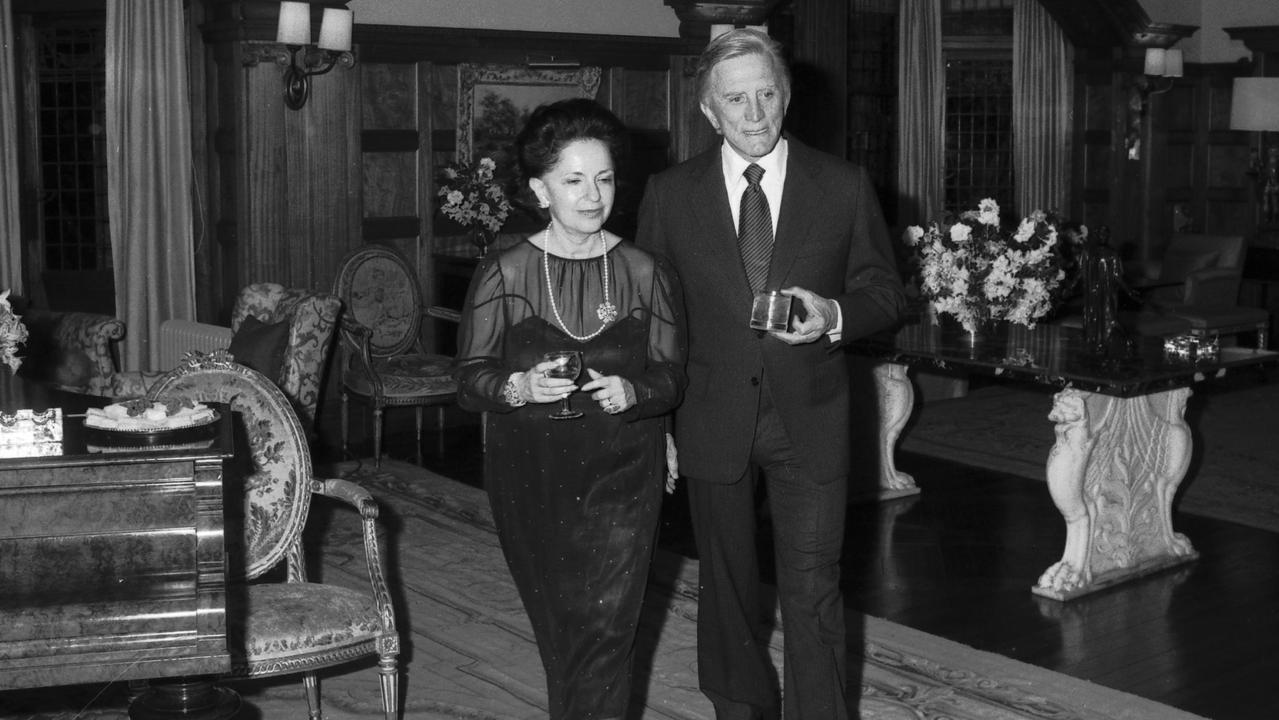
[[579, 188]]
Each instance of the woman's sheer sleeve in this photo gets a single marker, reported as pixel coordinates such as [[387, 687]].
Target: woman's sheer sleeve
[[661, 387], [480, 369]]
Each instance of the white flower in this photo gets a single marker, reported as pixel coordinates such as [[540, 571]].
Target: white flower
[[12, 334], [988, 212], [913, 235], [471, 197], [973, 271]]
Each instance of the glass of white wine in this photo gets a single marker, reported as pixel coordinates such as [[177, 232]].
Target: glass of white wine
[[568, 365]]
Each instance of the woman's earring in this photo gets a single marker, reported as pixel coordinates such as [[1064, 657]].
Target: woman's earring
[[543, 203]]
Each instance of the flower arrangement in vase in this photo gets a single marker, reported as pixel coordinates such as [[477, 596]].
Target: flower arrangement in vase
[[977, 272], [474, 200], [12, 334]]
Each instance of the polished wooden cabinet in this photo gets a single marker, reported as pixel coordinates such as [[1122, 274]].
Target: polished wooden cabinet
[[112, 561]]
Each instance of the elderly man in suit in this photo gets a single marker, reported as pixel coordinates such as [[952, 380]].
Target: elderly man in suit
[[770, 407]]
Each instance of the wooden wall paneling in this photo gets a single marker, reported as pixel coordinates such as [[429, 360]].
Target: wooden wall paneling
[[268, 204], [819, 100], [434, 332], [1096, 148], [390, 96], [640, 99], [390, 186], [332, 178], [225, 179], [692, 133], [1171, 159]]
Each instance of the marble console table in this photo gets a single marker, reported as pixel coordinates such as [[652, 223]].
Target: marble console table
[[1122, 448]]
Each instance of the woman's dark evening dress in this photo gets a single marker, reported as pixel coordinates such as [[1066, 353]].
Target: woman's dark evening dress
[[576, 502]]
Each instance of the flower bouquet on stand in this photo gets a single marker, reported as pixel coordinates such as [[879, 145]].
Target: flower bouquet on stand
[[978, 273], [473, 199], [13, 334]]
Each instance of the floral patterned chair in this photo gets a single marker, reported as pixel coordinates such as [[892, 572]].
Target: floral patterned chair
[[288, 625], [71, 351], [383, 361], [312, 318], [298, 368]]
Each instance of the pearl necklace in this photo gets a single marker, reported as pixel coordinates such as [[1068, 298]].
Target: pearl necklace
[[607, 312]]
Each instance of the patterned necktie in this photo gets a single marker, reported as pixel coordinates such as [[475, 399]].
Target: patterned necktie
[[755, 229]]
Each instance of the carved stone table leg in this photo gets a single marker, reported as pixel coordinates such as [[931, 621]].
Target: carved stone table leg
[[896, 399], [1113, 473]]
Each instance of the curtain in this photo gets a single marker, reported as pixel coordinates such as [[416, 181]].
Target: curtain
[[1042, 79], [10, 229], [921, 99], [148, 126]]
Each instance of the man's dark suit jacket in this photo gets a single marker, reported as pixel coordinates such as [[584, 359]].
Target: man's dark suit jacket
[[831, 240]]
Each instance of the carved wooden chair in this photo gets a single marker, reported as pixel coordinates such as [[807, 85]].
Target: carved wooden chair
[[383, 361], [291, 625]]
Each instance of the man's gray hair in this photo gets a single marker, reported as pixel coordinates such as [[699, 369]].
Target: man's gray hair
[[736, 43]]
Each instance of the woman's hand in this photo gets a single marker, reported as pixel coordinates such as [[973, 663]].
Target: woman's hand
[[538, 387], [614, 394]]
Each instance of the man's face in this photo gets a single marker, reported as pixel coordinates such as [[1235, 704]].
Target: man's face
[[746, 104]]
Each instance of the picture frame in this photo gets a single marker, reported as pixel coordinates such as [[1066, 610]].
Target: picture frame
[[494, 102]]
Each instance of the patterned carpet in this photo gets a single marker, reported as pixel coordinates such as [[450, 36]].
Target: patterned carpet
[[469, 652], [1231, 476]]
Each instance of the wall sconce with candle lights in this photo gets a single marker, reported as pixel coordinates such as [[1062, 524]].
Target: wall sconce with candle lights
[[333, 48], [1254, 107], [1159, 63]]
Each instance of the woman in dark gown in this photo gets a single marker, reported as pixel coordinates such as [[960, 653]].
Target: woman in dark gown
[[575, 501]]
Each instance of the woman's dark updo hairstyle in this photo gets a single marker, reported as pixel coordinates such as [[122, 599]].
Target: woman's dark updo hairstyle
[[551, 127]]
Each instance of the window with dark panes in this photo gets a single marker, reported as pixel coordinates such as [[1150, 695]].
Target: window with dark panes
[[70, 88], [977, 45]]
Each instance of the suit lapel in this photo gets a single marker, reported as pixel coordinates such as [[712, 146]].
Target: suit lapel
[[800, 207], [713, 219]]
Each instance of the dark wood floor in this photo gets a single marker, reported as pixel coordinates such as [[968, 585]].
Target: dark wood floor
[[959, 560]]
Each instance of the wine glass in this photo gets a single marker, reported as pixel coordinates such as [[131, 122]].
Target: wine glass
[[568, 365]]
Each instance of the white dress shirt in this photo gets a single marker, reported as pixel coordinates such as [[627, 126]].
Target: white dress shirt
[[772, 183]]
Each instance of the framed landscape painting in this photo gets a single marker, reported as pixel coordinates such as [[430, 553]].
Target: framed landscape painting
[[494, 102]]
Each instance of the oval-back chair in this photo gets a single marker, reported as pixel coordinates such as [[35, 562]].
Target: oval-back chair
[[383, 360], [290, 625]]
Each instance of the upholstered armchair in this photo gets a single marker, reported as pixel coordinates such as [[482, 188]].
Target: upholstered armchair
[[71, 351], [284, 623], [1197, 282], [284, 333], [303, 321]]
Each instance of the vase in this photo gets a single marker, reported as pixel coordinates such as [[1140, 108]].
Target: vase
[[989, 337], [481, 238]]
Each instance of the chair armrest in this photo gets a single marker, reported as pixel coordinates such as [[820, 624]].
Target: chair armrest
[[1213, 287], [1142, 272], [356, 496], [350, 493], [355, 340], [443, 313]]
